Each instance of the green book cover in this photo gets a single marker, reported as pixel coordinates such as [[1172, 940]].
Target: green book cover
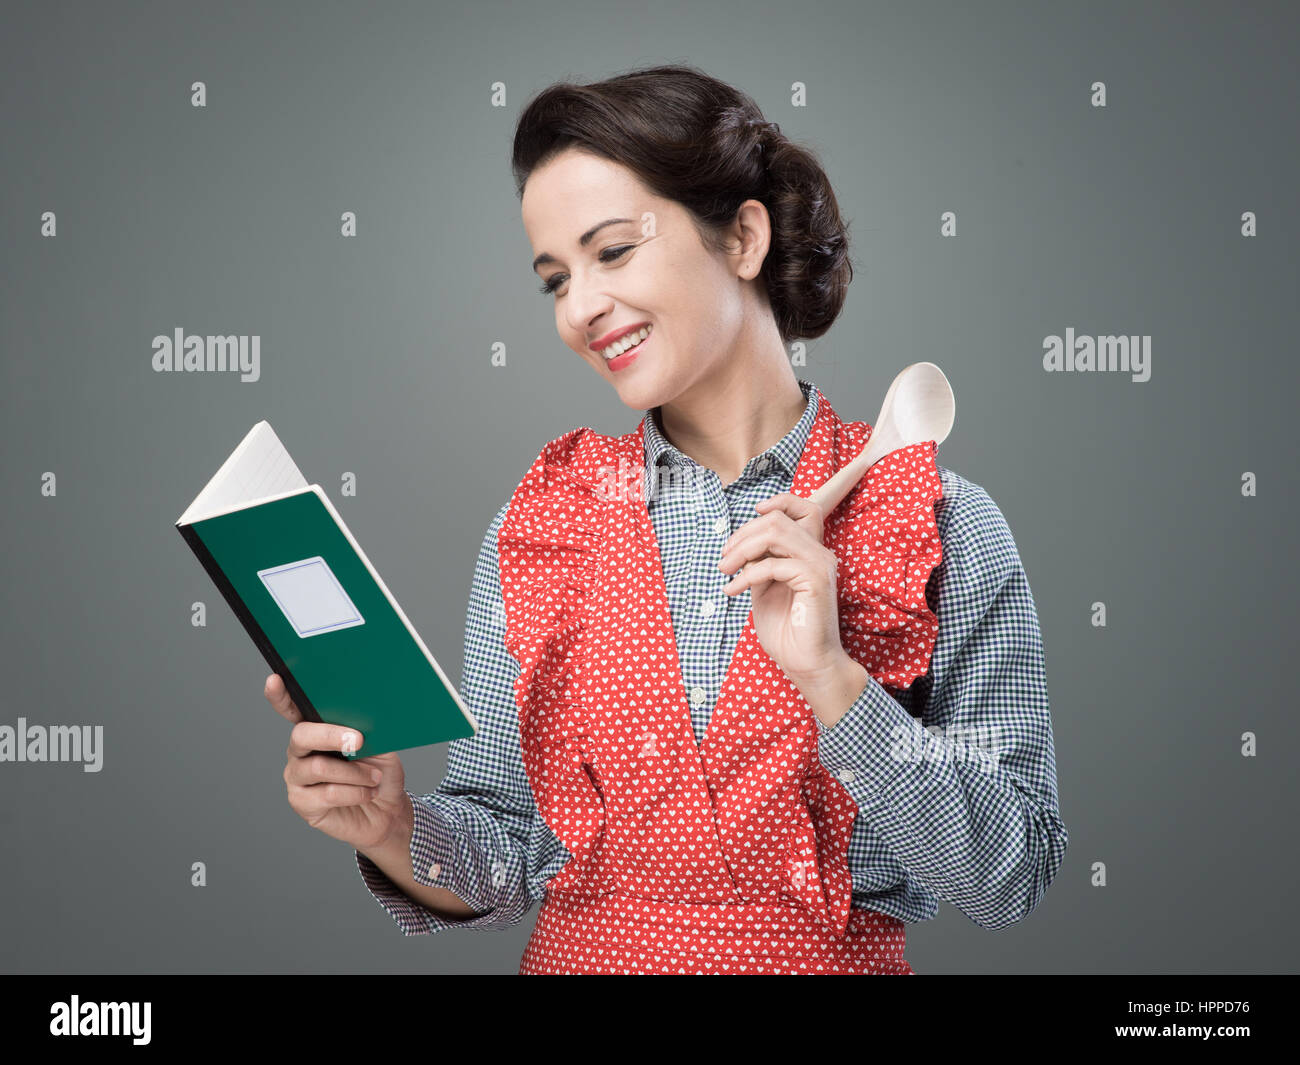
[[319, 612]]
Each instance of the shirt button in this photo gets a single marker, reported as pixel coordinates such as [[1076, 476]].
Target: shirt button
[[698, 695], [847, 775], [707, 609], [434, 871], [720, 525]]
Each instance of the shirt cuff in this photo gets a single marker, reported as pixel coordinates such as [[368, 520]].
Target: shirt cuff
[[868, 747], [435, 848]]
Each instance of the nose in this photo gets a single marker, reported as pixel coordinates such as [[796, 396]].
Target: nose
[[584, 307]]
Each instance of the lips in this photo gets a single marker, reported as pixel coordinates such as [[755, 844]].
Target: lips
[[619, 362], [600, 345]]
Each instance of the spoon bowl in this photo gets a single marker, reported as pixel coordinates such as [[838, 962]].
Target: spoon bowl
[[919, 406]]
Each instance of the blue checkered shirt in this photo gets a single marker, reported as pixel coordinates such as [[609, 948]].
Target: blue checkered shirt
[[956, 803]]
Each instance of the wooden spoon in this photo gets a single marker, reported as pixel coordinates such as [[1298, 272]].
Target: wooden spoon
[[919, 406]]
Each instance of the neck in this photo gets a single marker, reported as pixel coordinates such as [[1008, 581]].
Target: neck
[[740, 411]]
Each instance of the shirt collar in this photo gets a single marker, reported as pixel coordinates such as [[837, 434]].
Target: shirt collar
[[785, 453]]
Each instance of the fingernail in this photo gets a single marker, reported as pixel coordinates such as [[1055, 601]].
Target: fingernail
[[350, 742], [376, 776]]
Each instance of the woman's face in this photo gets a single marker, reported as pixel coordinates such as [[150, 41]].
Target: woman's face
[[652, 269]]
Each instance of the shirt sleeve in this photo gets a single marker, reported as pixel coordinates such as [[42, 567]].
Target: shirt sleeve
[[480, 834], [966, 797]]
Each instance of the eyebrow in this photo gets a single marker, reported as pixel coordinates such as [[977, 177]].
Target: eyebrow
[[583, 240]]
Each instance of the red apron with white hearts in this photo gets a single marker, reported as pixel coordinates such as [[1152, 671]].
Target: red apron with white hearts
[[730, 855]]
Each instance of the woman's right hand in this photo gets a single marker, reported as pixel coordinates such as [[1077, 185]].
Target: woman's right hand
[[362, 802]]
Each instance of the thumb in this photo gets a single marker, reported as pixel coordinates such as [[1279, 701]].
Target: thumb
[[394, 782]]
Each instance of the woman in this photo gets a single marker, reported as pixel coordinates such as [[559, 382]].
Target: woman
[[688, 752]]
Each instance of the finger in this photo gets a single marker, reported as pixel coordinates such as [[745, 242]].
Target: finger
[[322, 798], [278, 696], [794, 571], [796, 506], [315, 769], [805, 512], [308, 736], [776, 536]]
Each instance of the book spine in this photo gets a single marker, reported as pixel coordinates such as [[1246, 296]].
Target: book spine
[[254, 630]]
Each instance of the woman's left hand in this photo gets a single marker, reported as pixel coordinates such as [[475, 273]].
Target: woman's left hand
[[793, 580]]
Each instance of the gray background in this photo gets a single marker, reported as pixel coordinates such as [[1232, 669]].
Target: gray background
[[376, 359]]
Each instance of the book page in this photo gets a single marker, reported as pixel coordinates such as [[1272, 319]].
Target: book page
[[258, 468]]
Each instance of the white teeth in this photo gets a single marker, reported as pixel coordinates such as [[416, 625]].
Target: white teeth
[[629, 341]]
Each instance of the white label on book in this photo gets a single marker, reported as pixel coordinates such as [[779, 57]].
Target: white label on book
[[311, 597]]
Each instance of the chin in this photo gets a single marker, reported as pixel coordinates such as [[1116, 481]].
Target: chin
[[641, 394], [641, 387]]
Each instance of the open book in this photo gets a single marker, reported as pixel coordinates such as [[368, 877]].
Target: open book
[[314, 605]]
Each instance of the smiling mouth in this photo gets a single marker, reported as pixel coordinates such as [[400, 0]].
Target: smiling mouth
[[628, 357], [621, 347]]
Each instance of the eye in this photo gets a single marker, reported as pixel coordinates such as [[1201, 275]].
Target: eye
[[609, 255]]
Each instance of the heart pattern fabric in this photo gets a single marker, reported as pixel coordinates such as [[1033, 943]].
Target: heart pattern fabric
[[728, 855]]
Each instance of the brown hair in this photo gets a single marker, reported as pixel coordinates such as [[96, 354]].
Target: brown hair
[[706, 145]]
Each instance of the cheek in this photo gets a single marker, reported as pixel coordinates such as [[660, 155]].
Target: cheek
[[711, 303], [685, 304]]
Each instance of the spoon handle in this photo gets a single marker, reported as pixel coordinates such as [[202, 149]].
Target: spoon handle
[[839, 484]]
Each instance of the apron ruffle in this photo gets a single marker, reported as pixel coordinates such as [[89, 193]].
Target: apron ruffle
[[551, 529], [550, 536], [888, 544]]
